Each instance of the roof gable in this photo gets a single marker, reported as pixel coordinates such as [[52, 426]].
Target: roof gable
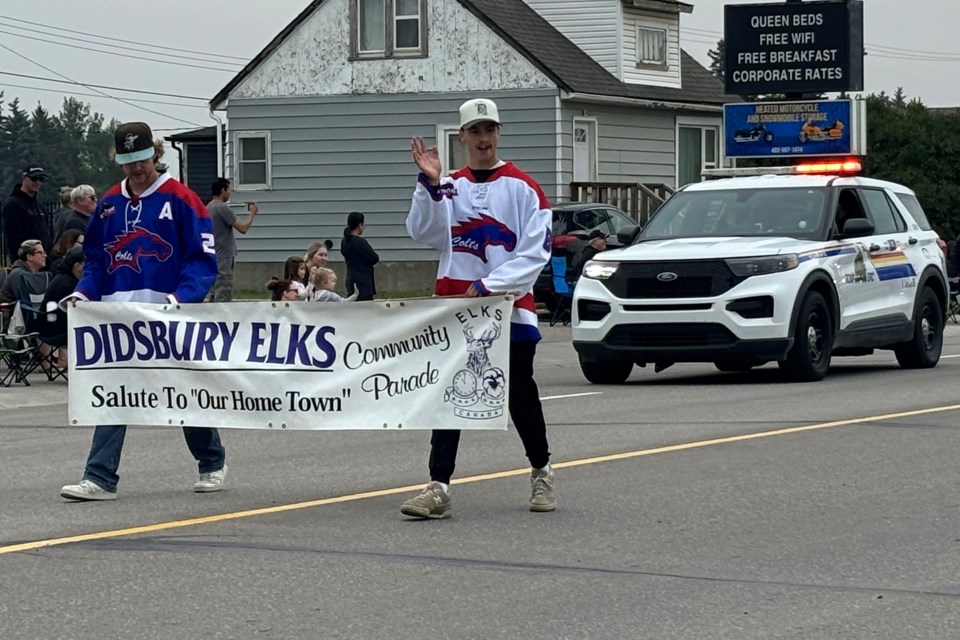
[[545, 48]]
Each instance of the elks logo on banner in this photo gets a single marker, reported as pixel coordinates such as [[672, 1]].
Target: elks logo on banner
[[130, 247], [479, 389], [474, 235]]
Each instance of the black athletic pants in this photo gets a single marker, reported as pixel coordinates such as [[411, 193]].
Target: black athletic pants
[[525, 409]]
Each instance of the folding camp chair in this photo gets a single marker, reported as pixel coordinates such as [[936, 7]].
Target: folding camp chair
[[16, 353], [46, 354], [562, 291]]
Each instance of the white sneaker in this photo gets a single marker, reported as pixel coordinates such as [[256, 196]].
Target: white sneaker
[[210, 482], [86, 490]]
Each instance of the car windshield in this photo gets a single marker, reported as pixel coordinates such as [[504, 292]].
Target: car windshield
[[796, 212]]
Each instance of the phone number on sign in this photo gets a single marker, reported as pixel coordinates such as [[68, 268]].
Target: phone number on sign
[[786, 150]]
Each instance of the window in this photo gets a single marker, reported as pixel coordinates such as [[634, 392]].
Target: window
[[913, 206], [388, 29], [697, 149], [885, 218], [252, 160], [453, 155], [651, 47]]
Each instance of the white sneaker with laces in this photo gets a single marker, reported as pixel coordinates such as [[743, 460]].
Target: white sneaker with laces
[[86, 490], [210, 482]]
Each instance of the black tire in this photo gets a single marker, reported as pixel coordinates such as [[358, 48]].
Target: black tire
[[803, 137], [923, 350], [606, 372], [809, 358], [734, 366]]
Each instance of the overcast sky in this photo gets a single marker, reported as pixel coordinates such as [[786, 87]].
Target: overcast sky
[[914, 47]]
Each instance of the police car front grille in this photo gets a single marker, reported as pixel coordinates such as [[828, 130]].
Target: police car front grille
[[694, 279], [670, 335]]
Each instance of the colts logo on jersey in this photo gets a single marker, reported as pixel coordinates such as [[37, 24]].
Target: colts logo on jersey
[[130, 247], [474, 235]]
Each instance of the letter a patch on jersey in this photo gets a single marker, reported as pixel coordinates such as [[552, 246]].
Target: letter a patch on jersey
[[166, 213]]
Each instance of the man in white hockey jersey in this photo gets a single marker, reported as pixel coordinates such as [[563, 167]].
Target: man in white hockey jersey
[[491, 224]]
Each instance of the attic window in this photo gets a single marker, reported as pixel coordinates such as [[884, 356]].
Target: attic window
[[388, 29], [651, 47]]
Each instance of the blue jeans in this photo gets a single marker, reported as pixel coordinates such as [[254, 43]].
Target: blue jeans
[[104, 458]]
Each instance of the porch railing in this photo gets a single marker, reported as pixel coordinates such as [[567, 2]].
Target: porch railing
[[637, 200]]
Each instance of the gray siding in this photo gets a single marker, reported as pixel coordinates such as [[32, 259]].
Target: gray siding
[[633, 144], [335, 154]]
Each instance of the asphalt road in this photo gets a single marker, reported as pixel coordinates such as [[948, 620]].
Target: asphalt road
[[693, 504]]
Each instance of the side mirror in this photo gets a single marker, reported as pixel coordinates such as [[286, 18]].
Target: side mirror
[[626, 235], [857, 228]]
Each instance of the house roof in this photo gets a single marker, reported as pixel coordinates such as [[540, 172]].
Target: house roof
[[195, 135], [549, 50]]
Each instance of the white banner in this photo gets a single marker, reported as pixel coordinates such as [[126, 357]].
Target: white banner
[[399, 364]]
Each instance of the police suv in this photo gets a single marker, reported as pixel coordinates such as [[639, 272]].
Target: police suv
[[793, 266]]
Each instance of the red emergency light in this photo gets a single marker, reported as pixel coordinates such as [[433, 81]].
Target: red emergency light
[[842, 166]]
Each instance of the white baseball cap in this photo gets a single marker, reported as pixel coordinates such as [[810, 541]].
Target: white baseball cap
[[478, 110]]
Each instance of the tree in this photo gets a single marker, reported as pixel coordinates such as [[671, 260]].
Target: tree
[[717, 62]]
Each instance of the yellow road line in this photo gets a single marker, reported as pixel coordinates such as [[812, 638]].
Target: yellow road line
[[178, 524]]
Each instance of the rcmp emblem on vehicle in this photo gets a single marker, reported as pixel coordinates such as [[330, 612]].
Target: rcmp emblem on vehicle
[[666, 276]]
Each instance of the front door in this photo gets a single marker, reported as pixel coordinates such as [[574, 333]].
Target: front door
[[584, 150]]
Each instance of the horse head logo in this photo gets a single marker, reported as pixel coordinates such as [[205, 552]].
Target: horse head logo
[[129, 248], [474, 235]]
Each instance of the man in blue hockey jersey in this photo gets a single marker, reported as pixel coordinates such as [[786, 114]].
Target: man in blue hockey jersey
[[150, 240]]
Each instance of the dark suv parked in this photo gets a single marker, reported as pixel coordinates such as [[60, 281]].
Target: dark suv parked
[[572, 224]]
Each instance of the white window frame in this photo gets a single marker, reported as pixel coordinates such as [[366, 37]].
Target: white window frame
[[594, 124], [238, 136], [641, 32], [443, 131], [694, 122], [390, 50]]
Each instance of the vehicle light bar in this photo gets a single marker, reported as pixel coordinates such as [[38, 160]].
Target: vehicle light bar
[[847, 167]]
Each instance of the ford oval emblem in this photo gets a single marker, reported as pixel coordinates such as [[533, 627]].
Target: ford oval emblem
[[666, 276]]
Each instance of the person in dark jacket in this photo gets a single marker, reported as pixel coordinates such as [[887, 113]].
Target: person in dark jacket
[[596, 243], [23, 217], [66, 276], [359, 257]]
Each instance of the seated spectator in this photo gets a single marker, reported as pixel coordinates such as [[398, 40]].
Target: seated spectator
[[596, 243], [285, 290], [65, 279], [324, 283], [295, 270], [68, 239], [31, 257]]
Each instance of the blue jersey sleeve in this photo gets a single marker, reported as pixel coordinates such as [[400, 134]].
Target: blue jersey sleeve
[[198, 267]]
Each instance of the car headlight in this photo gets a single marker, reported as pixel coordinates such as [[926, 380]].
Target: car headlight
[[600, 270], [763, 264]]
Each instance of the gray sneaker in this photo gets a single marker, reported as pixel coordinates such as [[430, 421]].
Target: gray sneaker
[[433, 502], [210, 482], [86, 490], [542, 496]]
